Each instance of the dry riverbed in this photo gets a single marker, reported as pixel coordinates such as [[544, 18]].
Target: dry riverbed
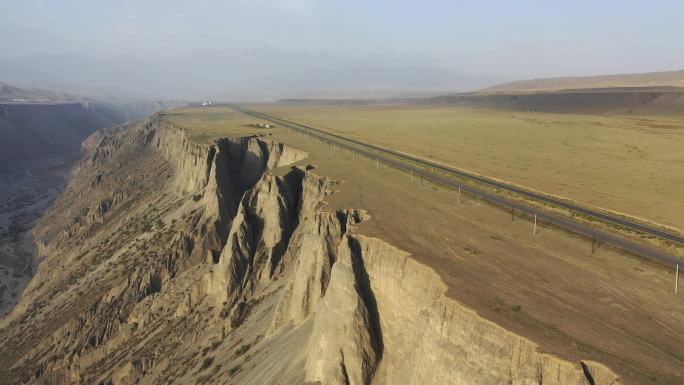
[[26, 191]]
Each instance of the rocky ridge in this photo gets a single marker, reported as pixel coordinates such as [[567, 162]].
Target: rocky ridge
[[173, 262]]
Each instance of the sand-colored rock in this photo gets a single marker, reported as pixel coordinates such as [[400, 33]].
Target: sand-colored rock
[[258, 237], [344, 347], [316, 241]]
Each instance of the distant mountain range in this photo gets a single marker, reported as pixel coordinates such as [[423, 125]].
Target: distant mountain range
[[244, 75], [652, 79], [660, 93], [656, 93]]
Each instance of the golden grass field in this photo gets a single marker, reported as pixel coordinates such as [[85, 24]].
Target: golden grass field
[[207, 124], [627, 164]]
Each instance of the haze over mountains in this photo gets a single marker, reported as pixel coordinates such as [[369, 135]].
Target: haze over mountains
[[244, 75], [266, 75], [271, 49]]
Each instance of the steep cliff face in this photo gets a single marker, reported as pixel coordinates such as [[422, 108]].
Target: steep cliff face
[[429, 338], [172, 262]]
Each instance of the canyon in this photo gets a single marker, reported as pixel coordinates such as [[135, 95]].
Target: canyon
[[42, 135], [172, 261]]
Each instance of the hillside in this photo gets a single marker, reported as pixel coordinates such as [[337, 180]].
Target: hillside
[[637, 101], [658, 93], [9, 93], [652, 79]]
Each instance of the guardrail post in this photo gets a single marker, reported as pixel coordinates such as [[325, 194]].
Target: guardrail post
[[411, 171], [459, 195], [676, 278], [534, 232], [512, 214]]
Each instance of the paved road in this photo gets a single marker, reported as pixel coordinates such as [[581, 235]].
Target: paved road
[[388, 156]]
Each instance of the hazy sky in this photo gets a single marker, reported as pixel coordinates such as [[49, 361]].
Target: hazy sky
[[514, 39]]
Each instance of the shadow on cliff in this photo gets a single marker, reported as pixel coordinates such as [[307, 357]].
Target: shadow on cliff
[[367, 296]]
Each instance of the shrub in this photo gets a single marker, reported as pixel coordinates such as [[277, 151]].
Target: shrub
[[207, 362], [232, 371], [242, 350]]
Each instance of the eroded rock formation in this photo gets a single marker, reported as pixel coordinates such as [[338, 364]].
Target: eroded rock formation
[[173, 262]]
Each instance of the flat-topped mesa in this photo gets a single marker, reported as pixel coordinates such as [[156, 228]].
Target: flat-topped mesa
[[186, 256]]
